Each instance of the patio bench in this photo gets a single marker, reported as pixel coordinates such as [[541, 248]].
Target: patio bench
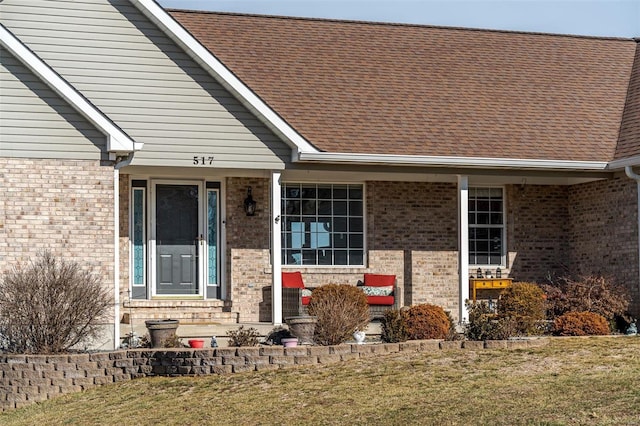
[[381, 290]]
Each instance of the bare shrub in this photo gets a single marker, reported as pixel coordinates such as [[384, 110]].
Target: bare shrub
[[243, 337], [589, 293], [341, 309], [393, 327], [484, 324], [49, 305]]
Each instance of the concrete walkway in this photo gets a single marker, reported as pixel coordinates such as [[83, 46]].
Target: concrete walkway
[[206, 331]]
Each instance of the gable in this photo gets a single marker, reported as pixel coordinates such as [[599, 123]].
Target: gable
[[37, 122], [145, 83]]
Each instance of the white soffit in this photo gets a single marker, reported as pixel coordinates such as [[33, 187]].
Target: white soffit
[[117, 140]]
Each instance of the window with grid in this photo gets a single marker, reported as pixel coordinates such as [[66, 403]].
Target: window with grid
[[322, 224], [486, 226]]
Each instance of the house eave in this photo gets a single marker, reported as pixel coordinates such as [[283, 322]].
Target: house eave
[[223, 75], [117, 140], [447, 161], [624, 162]]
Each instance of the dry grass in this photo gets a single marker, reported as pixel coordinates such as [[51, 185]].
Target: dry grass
[[572, 381]]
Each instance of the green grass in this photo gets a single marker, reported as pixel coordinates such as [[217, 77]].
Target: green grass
[[572, 381]]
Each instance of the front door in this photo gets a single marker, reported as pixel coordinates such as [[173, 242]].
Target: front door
[[178, 238]]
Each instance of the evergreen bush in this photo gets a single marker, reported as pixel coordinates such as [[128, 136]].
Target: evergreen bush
[[581, 324]]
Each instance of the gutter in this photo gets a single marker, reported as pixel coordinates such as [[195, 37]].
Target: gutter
[[631, 174], [467, 162]]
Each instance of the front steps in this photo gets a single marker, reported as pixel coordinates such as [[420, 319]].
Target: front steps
[[187, 311]]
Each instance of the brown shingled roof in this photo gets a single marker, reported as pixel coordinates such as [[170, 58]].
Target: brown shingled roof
[[629, 141], [357, 87]]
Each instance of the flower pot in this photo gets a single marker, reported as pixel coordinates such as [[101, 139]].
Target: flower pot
[[161, 330], [359, 336], [302, 327], [196, 343], [289, 342]]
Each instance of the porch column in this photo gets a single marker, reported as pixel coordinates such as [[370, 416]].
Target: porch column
[[463, 244], [276, 249]]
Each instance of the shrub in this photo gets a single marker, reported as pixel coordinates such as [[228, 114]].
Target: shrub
[[394, 328], [484, 324], [243, 337], [587, 294], [276, 335], [49, 305], [426, 321], [580, 324], [341, 309], [525, 304]]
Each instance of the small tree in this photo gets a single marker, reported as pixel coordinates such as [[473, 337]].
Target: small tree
[[49, 305]]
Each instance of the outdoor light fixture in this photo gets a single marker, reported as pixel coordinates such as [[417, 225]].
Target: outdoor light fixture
[[249, 203]]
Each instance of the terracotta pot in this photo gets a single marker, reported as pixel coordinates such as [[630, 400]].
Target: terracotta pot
[[196, 343]]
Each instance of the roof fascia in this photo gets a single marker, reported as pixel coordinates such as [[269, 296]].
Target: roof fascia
[[625, 162], [466, 162], [117, 140], [222, 74]]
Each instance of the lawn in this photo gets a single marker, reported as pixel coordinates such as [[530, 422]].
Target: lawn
[[572, 381]]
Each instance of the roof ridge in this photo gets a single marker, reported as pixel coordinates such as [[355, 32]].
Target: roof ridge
[[401, 24]]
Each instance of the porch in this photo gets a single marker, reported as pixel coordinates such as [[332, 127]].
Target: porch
[[205, 331]]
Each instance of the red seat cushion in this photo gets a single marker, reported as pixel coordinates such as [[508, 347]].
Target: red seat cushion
[[292, 280], [378, 280], [380, 300]]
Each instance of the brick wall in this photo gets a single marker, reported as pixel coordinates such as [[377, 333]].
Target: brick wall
[[537, 231], [26, 379], [248, 245], [603, 227], [412, 232], [62, 206]]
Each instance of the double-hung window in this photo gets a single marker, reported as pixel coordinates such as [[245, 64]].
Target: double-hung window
[[486, 227], [323, 224]]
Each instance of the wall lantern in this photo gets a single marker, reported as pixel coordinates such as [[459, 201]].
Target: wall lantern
[[249, 203]]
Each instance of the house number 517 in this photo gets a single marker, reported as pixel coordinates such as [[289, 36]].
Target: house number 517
[[202, 160]]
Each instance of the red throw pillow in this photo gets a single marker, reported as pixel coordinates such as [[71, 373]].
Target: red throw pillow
[[292, 280], [378, 280]]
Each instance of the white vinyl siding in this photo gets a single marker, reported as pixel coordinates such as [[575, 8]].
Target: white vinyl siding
[[37, 123], [144, 82]]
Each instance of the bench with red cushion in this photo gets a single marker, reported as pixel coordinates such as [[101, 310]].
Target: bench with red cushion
[[379, 280]]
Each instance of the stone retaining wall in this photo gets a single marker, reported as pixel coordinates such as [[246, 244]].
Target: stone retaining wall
[[26, 379]]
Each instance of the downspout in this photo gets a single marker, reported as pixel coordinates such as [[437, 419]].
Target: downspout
[[120, 162], [631, 174]]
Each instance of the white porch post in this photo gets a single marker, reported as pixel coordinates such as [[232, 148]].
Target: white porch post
[[463, 244], [276, 249], [116, 257]]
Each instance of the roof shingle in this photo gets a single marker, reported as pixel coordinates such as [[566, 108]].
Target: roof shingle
[[358, 87]]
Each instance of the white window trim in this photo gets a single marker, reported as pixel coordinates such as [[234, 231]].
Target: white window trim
[[364, 226], [503, 254]]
